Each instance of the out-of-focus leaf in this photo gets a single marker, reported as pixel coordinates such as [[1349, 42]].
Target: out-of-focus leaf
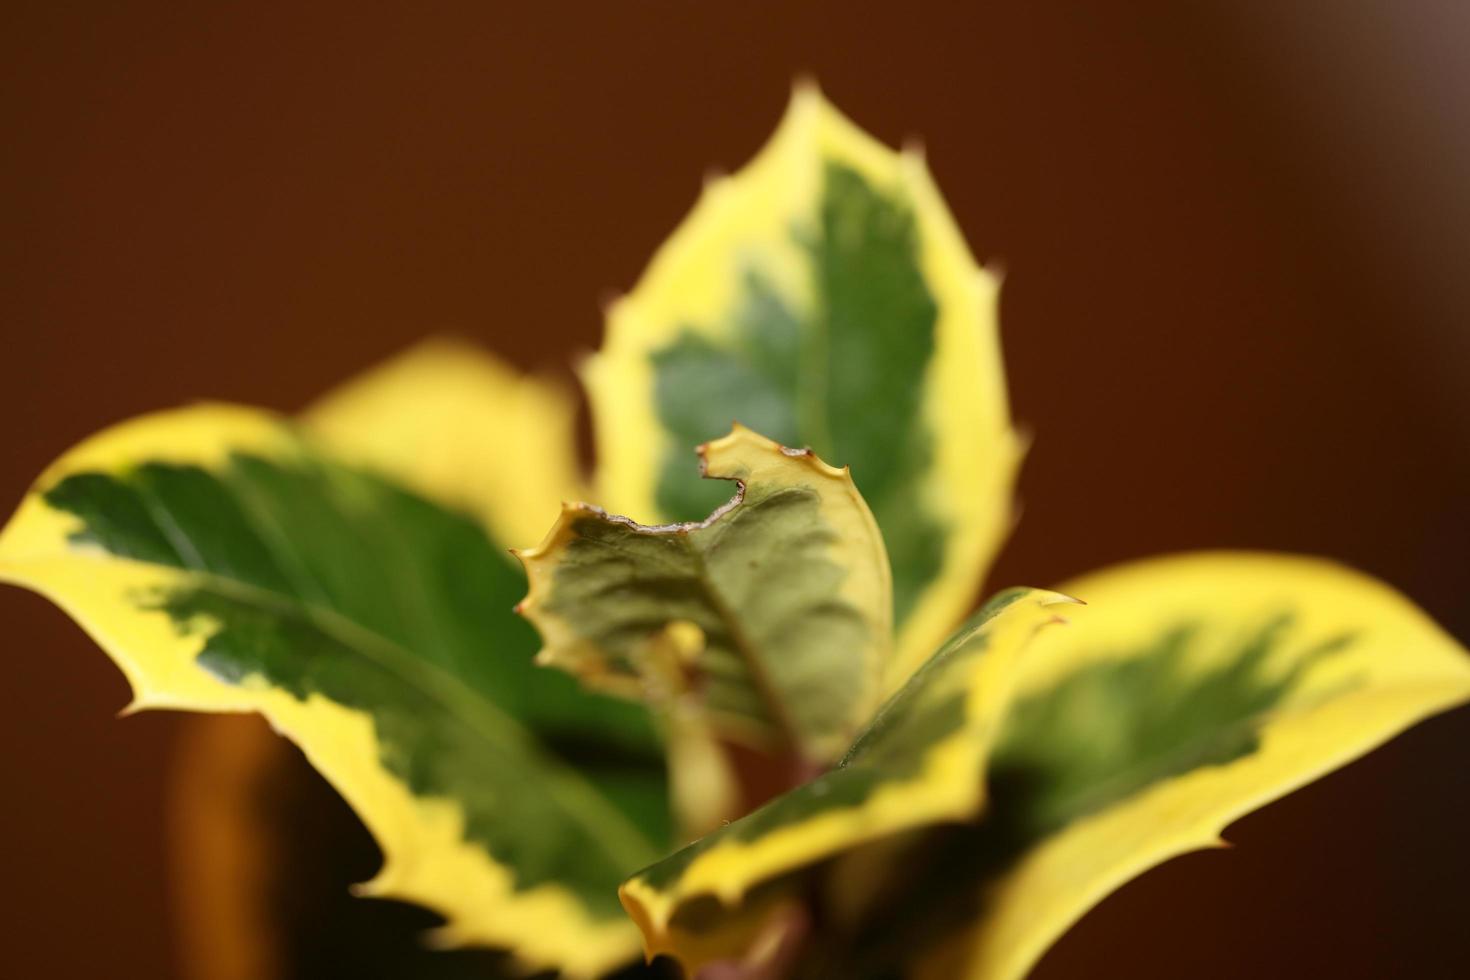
[[917, 763], [228, 564], [1188, 692], [265, 853], [461, 428], [775, 606], [823, 296]]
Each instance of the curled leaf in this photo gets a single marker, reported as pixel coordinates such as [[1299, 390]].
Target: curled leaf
[[776, 605], [824, 296]]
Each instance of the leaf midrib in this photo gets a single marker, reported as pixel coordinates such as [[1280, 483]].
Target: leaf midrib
[[760, 678], [579, 798]]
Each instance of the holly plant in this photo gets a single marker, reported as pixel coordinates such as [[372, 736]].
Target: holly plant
[[760, 737]]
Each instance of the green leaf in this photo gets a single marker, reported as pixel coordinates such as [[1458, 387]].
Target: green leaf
[[1188, 692], [776, 605], [228, 564], [823, 296], [918, 762]]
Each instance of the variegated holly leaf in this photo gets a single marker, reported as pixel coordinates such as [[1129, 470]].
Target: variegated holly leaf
[[824, 297], [1188, 691], [342, 583], [775, 608], [918, 762]]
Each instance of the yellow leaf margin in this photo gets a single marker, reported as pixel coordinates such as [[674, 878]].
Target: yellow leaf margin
[[426, 858], [946, 786], [462, 428], [693, 279], [1403, 669]]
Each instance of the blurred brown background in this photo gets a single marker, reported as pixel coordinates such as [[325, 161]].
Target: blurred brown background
[[1235, 314]]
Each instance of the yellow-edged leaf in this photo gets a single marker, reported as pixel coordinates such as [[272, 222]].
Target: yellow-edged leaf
[[228, 564], [1188, 692], [462, 428], [824, 296], [917, 763], [779, 600]]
